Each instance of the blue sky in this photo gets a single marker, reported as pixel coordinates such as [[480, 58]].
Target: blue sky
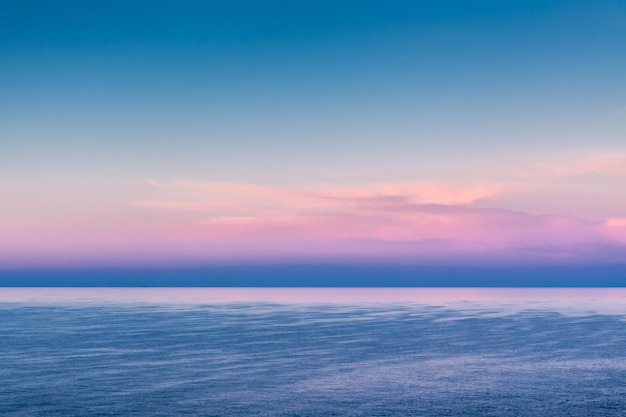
[[102, 81]]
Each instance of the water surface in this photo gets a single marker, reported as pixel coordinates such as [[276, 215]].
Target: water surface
[[312, 352]]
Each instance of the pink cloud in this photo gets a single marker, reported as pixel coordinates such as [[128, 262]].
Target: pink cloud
[[616, 228], [410, 220], [204, 221], [464, 225], [206, 196]]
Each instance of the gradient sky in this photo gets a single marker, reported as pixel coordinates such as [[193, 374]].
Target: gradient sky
[[203, 132]]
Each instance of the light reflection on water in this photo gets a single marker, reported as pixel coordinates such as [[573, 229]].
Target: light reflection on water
[[564, 300], [312, 352]]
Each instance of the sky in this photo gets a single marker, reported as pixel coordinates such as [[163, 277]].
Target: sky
[[184, 133]]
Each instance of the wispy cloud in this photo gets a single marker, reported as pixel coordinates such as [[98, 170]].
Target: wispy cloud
[[163, 220], [417, 220], [541, 170], [203, 196]]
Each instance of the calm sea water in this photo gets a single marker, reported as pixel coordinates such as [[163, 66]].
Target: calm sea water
[[312, 352]]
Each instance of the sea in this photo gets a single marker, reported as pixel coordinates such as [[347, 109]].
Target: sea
[[312, 352]]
